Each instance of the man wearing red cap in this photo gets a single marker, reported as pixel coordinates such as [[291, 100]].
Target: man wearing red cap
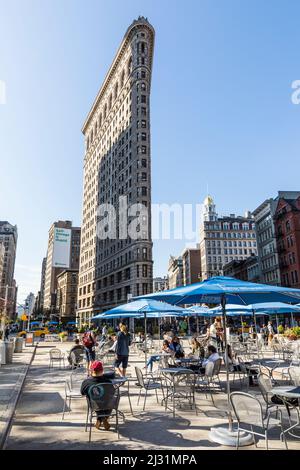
[[97, 377]]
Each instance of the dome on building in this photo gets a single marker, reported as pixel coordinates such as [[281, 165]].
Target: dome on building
[[208, 201]]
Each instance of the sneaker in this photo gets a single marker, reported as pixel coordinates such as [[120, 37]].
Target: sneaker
[[106, 424], [98, 424]]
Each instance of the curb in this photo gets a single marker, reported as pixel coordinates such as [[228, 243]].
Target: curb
[[8, 425]]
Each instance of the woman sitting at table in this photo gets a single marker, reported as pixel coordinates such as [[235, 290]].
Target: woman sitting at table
[[164, 350], [176, 347], [197, 349]]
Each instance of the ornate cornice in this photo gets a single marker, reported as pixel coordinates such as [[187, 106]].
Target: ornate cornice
[[140, 23]]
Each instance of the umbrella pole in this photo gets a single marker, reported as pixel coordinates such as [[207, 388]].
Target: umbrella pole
[[223, 303], [255, 329], [242, 329], [277, 322], [145, 322], [197, 321], [292, 318]]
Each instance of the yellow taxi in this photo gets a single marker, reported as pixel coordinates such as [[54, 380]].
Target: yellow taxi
[[37, 332]]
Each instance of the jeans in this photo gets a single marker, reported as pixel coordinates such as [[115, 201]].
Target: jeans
[[151, 360]]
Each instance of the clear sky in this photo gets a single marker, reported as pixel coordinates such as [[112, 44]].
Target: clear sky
[[221, 116]]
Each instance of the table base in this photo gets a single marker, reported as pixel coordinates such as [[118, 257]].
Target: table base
[[227, 437]]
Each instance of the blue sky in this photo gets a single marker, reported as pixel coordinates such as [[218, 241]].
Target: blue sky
[[221, 107]]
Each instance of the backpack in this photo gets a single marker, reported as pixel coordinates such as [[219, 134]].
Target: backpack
[[87, 340]]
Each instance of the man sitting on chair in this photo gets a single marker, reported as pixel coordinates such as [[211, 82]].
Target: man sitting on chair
[[96, 378], [77, 351]]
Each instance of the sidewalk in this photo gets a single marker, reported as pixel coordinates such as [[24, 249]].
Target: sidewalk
[[11, 379], [38, 420]]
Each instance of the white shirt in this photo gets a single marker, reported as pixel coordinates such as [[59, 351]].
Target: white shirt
[[213, 331], [212, 358]]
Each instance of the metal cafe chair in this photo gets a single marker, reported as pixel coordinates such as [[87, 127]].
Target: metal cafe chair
[[147, 383], [249, 411], [102, 402], [294, 373], [207, 381], [56, 356], [72, 388]]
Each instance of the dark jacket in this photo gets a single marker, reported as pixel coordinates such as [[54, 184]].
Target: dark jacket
[[123, 343], [93, 381]]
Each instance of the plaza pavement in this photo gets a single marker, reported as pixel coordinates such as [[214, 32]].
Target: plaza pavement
[[11, 380], [38, 420]]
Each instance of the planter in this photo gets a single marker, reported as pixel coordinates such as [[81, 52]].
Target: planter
[[292, 338]]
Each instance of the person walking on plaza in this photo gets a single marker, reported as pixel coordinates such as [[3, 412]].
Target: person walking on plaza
[[89, 343], [122, 349], [6, 333], [98, 377], [270, 333], [212, 333]]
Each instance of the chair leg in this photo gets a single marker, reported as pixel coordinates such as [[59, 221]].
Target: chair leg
[[266, 440], [139, 397], [64, 409], [91, 423], [254, 439], [156, 396], [128, 392], [283, 435], [86, 421], [145, 399]]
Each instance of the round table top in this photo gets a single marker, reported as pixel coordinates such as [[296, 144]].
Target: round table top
[[289, 391], [119, 380], [174, 370], [188, 359], [162, 354]]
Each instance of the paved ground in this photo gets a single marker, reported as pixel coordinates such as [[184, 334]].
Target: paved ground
[[11, 377], [38, 421]]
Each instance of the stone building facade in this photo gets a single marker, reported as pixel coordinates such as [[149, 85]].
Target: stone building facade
[[266, 242], [66, 299], [246, 269], [191, 265], [175, 272], [117, 174], [51, 272], [224, 239], [8, 239]]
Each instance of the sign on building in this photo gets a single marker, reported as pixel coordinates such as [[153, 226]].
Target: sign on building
[[61, 248]]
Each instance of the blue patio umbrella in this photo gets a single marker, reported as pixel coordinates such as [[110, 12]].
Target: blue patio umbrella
[[222, 290], [142, 308], [266, 308], [234, 291]]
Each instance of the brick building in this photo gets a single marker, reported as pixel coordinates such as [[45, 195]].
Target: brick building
[[287, 227]]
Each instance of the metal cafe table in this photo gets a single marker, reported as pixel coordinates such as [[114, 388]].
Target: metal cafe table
[[285, 393], [118, 382], [169, 374]]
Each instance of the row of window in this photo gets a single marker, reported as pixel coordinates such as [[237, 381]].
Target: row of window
[[218, 243], [231, 252], [230, 235], [290, 278], [230, 226]]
